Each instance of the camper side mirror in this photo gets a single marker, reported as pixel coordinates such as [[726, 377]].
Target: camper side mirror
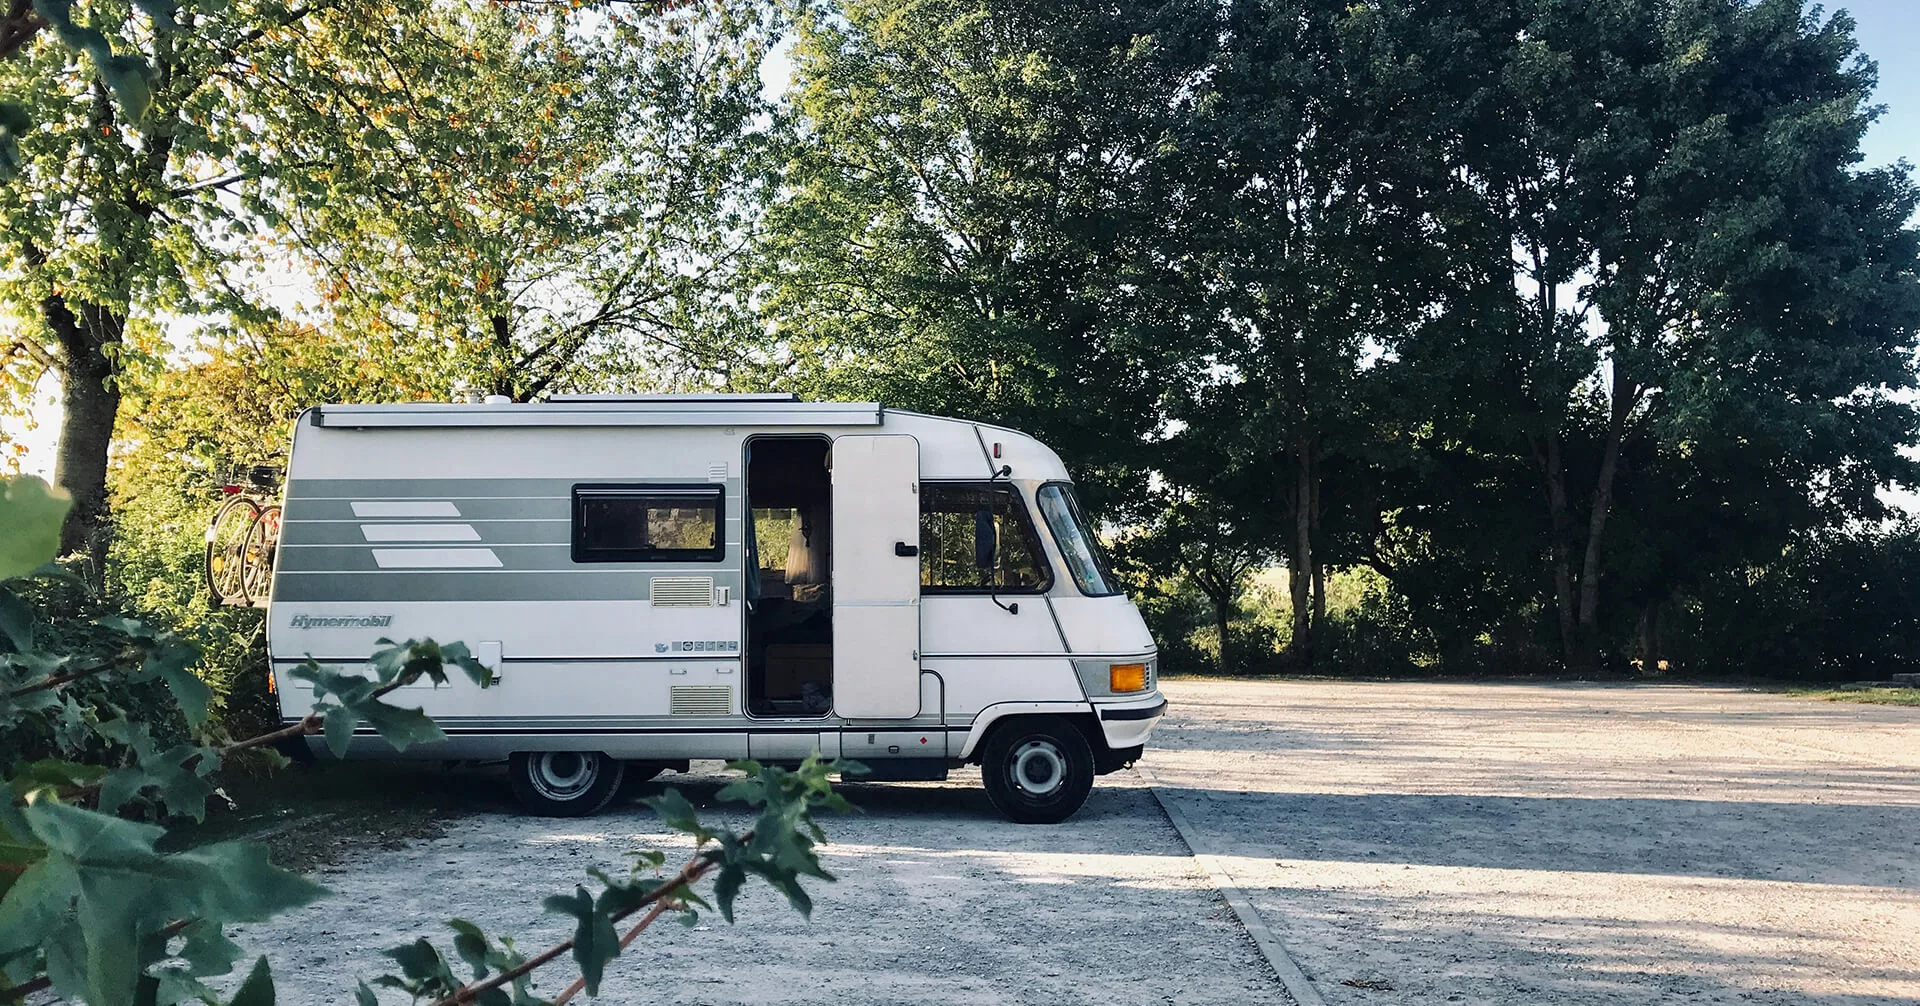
[[985, 541]]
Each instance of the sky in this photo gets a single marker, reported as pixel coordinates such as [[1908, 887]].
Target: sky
[[1888, 31]]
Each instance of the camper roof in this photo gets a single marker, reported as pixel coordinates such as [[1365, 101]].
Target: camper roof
[[607, 410]]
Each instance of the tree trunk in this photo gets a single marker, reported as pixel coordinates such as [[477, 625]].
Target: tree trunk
[[1300, 564], [1222, 615], [1554, 471], [1650, 656], [503, 378], [1602, 506], [1319, 594], [91, 400]]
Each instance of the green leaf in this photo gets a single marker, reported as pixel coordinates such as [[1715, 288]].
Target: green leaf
[[36, 904], [471, 944], [175, 985], [132, 628], [122, 891], [410, 661], [678, 813], [208, 951], [458, 655], [52, 774], [257, 990], [726, 886], [400, 727], [420, 962], [132, 84], [120, 787], [622, 895], [16, 621], [30, 514], [594, 940], [338, 726], [363, 996], [172, 660]]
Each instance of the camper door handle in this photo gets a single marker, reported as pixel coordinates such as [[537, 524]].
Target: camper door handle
[[902, 548]]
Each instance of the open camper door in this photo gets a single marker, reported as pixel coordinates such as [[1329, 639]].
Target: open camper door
[[876, 577]]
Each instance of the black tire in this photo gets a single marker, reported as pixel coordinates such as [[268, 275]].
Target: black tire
[[226, 551], [263, 541], [564, 783], [1037, 769]]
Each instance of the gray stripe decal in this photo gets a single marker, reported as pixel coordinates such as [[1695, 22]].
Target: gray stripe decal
[[477, 585], [494, 533], [454, 489], [364, 559], [470, 509], [439, 489]]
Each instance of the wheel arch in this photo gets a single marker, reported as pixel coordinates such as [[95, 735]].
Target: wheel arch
[[994, 717]]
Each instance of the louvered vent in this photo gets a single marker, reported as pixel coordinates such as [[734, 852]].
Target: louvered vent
[[700, 700], [681, 591]]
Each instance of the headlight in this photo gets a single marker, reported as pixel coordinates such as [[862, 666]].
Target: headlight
[[1127, 677]]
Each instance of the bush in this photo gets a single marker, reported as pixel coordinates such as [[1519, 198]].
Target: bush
[[1839, 606]]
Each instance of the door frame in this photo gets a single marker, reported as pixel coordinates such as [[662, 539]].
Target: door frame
[[746, 532]]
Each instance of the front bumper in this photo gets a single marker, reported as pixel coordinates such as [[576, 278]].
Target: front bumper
[[1127, 724]]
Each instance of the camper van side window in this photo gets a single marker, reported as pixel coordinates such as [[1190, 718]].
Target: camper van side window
[[647, 523], [976, 538]]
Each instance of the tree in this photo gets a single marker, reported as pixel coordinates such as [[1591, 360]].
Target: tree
[[112, 212], [1315, 149], [1700, 262], [981, 214], [558, 204], [1200, 537]]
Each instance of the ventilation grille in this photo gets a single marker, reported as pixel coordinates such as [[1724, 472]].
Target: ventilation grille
[[700, 700], [681, 591]]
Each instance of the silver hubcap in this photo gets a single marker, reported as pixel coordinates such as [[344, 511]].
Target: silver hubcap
[[1039, 768], [563, 775]]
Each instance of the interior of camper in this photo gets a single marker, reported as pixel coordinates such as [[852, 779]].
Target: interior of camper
[[789, 594]]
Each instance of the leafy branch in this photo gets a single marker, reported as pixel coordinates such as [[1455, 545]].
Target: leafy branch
[[778, 848]]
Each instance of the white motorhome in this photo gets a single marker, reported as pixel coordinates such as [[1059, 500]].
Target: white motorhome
[[655, 579]]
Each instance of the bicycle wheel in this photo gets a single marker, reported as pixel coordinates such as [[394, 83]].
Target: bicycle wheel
[[263, 542], [226, 545]]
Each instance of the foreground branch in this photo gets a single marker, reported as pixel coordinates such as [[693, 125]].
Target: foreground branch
[[696, 868]]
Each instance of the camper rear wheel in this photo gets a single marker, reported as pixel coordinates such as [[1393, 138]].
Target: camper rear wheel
[[564, 783], [1037, 769]]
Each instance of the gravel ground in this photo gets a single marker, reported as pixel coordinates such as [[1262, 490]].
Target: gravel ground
[[1556, 844], [939, 900]]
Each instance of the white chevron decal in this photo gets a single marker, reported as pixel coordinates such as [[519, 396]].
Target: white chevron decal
[[436, 558], [420, 532]]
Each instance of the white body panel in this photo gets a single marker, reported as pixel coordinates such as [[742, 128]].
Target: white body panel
[[1102, 625], [472, 508], [959, 625]]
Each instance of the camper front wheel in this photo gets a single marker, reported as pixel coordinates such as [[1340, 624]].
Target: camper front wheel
[[1037, 769], [563, 783]]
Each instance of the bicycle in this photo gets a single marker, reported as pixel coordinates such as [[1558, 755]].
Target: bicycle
[[243, 539]]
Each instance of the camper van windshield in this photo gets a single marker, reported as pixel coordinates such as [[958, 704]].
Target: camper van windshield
[[1077, 544]]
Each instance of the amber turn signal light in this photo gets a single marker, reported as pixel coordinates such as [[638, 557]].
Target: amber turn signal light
[[1127, 677]]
